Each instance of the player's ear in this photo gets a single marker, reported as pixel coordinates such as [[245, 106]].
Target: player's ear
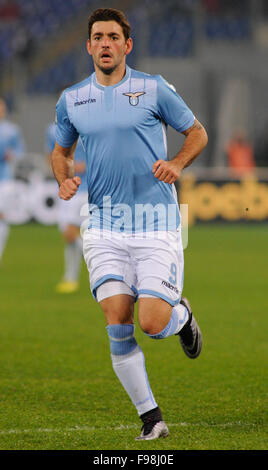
[[89, 47], [129, 45]]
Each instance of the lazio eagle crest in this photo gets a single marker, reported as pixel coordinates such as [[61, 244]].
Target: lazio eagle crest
[[134, 97]]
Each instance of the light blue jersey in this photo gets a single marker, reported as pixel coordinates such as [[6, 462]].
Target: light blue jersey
[[79, 154], [11, 142], [123, 131]]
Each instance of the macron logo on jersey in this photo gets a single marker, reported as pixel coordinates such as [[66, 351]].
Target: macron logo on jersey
[[134, 97], [90, 100]]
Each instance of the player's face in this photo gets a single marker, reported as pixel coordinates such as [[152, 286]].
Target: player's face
[[108, 45]]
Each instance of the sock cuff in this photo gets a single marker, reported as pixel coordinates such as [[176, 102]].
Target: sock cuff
[[120, 331], [122, 340]]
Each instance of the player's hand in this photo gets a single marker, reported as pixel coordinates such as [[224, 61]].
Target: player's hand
[[167, 171], [69, 187]]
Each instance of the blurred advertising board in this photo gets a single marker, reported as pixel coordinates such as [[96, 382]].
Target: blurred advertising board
[[225, 200]]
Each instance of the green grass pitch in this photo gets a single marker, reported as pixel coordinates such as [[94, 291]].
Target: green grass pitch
[[57, 386]]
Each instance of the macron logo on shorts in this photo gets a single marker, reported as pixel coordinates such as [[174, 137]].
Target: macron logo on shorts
[[170, 286]]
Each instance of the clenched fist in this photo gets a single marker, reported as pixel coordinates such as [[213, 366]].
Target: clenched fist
[[167, 171], [69, 187]]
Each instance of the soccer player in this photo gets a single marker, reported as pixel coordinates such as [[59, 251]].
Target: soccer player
[[12, 147], [133, 246], [69, 217]]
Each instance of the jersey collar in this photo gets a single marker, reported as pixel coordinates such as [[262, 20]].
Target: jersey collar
[[102, 87]]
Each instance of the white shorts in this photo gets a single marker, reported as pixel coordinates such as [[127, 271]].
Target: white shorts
[[69, 211], [149, 266]]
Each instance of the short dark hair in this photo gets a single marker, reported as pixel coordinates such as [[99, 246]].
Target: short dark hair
[[109, 14]]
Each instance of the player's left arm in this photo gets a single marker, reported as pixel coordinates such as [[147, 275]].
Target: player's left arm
[[195, 141]]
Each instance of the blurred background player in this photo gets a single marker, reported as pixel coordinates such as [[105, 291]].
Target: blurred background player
[[12, 147], [69, 218], [240, 154]]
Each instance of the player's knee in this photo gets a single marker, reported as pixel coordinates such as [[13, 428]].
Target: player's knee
[[113, 317], [154, 315], [149, 326], [117, 312]]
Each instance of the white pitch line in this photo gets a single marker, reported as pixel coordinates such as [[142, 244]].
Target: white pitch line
[[47, 430], [117, 428]]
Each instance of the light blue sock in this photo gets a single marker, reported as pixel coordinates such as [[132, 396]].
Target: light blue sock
[[179, 317], [129, 366]]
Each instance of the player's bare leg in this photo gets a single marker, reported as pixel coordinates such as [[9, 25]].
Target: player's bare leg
[[128, 359], [153, 314], [118, 309], [158, 319]]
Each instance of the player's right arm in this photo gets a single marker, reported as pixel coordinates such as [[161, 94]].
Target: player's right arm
[[63, 169], [63, 152]]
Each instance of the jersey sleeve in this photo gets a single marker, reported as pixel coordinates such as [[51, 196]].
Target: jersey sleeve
[[171, 108], [66, 133]]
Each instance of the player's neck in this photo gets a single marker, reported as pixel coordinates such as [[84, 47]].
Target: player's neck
[[109, 80]]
